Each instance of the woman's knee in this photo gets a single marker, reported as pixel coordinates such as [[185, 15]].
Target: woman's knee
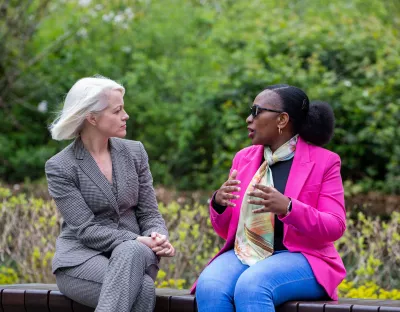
[[210, 284], [219, 278], [130, 248], [152, 271], [148, 286], [250, 287], [62, 282], [82, 291]]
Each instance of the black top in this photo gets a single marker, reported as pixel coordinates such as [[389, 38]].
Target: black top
[[280, 174]]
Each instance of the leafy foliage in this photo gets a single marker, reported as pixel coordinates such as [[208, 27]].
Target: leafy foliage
[[369, 248], [192, 67], [28, 230], [369, 290], [7, 276]]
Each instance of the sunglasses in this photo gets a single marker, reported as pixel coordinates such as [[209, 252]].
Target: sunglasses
[[255, 110]]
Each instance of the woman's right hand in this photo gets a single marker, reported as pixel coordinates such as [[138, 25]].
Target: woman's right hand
[[159, 244], [148, 241], [224, 194], [164, 248]]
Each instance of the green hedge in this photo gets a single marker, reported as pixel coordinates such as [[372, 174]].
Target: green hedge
[[192, 67], [29, 227]]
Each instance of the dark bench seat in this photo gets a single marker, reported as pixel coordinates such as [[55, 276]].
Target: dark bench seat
[[46, 297]]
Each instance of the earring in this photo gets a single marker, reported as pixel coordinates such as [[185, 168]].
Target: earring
[[280, 131]]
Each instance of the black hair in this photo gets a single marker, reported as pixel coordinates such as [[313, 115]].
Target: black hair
[[314, 121]]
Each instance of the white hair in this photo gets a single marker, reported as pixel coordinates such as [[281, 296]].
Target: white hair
[[87, 95]]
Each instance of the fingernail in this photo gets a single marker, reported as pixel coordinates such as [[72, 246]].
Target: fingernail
[[234, 205], [237, 196], [238, 188]]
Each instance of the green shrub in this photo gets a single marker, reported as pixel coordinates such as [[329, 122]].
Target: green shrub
[[29, 226], [370, 249], [8, 276], [369, 290], [192, 67], [193, 238], [162, 282], [28, 229]]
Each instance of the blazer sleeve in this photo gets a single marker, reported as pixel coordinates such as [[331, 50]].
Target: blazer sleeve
[[76, 213], [147, 213], [221, 221], [327, 221]]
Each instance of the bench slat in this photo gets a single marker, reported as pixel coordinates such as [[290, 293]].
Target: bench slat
[[77, 307], [337, 307], [13, 300], [162, 304], [1, 295], [389, 309], [369, 302], [290, 306], [364, 308], [312, 306], [59, 303], [182, 304], [36, 300]]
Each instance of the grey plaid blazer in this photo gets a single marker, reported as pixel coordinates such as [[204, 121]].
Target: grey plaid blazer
[[96, 219]]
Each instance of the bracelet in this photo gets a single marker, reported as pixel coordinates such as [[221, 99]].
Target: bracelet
[[289, 207]]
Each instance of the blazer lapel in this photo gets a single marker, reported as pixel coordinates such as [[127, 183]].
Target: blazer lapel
[[91, 169], [300, 170], [247, 168], [118, 156]]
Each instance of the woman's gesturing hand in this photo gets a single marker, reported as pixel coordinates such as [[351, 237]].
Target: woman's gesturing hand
[[224, 194], [269, 197]]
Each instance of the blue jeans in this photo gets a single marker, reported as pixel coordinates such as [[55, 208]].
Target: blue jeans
[[228, 285]]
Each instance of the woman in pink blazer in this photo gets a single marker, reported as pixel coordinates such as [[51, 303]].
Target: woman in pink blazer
[[280, 211]]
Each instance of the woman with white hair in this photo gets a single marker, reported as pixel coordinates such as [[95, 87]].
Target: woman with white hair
[[112, 234]]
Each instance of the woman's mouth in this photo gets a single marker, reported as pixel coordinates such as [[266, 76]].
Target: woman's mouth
[[251, 133]]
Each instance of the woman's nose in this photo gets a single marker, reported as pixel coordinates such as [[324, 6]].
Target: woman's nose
[[249, 119]]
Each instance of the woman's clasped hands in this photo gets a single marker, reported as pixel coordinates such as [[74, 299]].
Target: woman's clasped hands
[[159, 244]]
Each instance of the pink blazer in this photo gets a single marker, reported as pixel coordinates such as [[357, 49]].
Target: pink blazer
[[318, 216]]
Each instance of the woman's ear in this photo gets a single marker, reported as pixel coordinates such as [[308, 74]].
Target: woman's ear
[[283, 120], [91, 118]]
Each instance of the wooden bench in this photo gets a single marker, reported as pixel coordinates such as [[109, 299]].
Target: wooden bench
[[46, 297]]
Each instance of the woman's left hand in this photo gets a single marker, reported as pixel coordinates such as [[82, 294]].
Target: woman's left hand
[[269, 197], [163, 247]]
